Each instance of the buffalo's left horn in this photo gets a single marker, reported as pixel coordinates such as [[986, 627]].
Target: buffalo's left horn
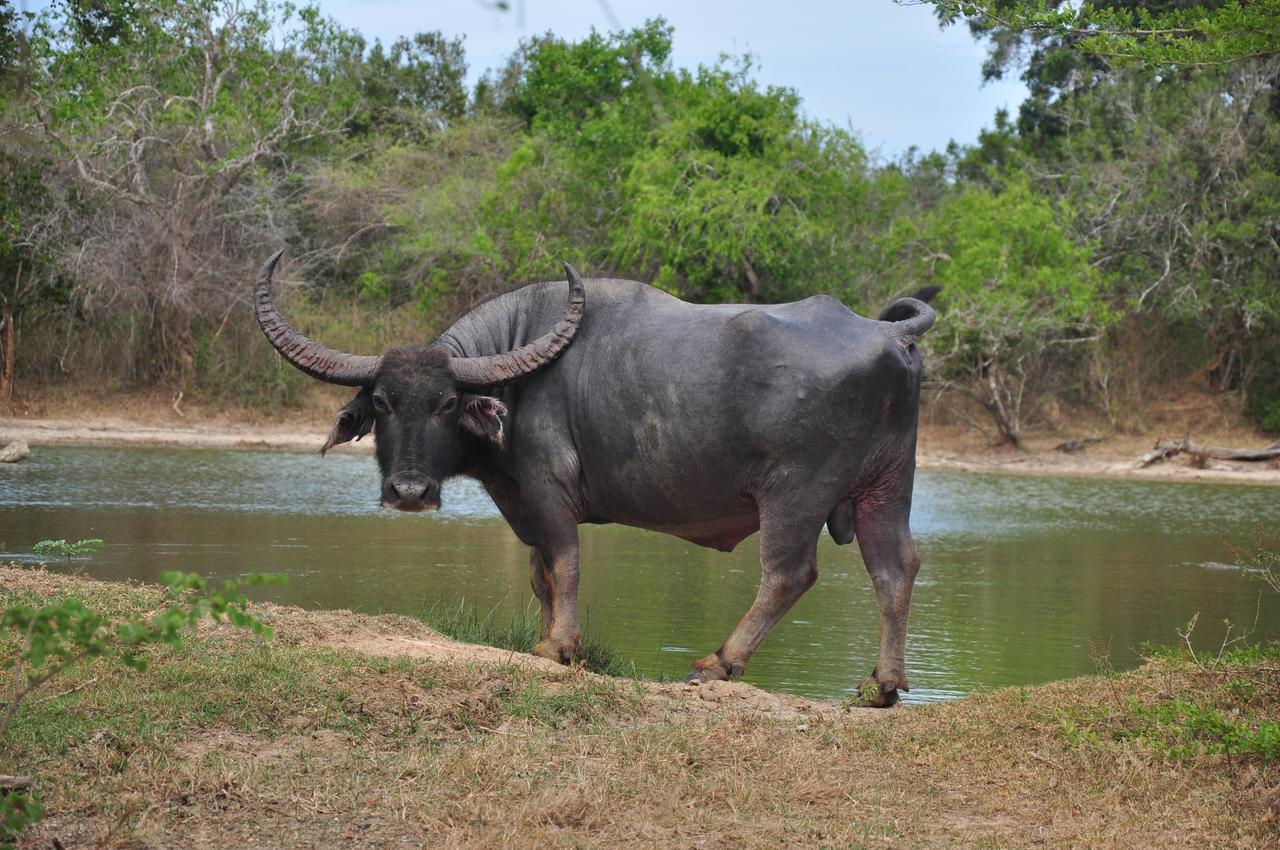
[[498, 369], [327, 364]]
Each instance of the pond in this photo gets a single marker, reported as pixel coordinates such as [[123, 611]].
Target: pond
[[1024, 579]]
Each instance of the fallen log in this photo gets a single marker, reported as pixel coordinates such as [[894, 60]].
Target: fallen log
[[1172, 448]]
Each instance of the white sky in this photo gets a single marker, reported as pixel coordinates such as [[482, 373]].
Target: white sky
[[887, 71]]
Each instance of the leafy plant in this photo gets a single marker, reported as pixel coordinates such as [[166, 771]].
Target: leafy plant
[[56, 637], [78, 549]]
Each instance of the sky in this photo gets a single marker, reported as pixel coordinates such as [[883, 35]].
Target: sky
[[886, 71]]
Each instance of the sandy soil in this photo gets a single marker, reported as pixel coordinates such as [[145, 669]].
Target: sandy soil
[[391, 636], [942, 448]]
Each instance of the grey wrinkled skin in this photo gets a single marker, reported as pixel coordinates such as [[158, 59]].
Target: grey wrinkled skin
[[709, 422]]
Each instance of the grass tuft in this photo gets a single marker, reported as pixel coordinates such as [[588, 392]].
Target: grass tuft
[[519, 633]]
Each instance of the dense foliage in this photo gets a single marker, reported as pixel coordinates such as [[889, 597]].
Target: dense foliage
[[1163, 32], [1123, 230]]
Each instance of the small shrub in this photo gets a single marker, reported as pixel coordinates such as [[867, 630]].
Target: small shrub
[[1184, 728], [1262, 398], [78, 549]]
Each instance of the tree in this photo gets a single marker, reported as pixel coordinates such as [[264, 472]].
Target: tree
[[415, 87], [1162, 33], [169, 124], [740, 199], [31, 227], [1175, 178], [1016, 291], [1158, 126], [1066, 49], [589, 108]]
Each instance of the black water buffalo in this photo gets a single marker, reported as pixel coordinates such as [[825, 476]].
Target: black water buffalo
[[709, 422]]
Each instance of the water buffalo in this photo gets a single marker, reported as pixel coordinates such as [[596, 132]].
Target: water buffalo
[[709, 422]]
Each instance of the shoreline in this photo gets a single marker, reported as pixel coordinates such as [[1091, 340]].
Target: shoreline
[[939, 449]]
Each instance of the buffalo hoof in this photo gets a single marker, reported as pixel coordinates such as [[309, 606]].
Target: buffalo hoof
[[561, 652], [874, 693], [697, 677], [712, 669]]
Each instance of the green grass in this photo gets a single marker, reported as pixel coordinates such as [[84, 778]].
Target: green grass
[[552, 704], [1224, 705], [243, 684], [519, 632]]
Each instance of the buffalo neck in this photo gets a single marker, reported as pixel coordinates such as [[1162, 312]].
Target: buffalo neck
[[507, 321]]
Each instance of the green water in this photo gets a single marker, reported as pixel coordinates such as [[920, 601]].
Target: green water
[[1021, 575]]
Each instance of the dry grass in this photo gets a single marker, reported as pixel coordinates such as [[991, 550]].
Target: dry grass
[[239, 743]]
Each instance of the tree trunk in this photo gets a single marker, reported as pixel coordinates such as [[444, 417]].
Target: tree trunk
[[7, 334], [1004, 400], [169, 345]]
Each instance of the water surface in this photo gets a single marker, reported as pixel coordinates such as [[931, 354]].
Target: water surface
[[1023, 578]]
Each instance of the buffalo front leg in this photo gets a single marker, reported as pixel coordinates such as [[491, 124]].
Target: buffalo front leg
[[540, 580], [789, 567], [561, 636], [890, 555]]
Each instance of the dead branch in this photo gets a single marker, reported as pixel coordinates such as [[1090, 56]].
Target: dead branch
[[1168, 449]]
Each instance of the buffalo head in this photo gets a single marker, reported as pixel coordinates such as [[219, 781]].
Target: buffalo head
[[426, 408]]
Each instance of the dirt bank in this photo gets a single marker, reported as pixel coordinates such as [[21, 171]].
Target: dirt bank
[[940, 448], [347, 730]]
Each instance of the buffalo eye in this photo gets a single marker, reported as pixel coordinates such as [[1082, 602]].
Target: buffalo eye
[[380, 403], [447, 406]]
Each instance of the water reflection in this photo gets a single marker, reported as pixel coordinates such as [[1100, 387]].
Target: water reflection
[[1020, 574]]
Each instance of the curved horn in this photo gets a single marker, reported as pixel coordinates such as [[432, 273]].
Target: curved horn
[[350, 370], [503, 368]]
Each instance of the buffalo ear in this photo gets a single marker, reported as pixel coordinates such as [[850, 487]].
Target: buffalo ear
[[354, 421], [482, 416]]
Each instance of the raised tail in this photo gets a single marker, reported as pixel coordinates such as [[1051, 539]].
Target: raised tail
[[911, 316]]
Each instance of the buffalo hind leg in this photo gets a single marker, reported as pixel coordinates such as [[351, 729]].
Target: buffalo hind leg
[[890, 555], [789, 567]]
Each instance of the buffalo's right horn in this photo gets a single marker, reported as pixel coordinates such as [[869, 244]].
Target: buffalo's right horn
[[327, 364]]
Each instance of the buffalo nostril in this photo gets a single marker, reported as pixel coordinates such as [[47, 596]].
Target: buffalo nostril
[[409, 491]]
